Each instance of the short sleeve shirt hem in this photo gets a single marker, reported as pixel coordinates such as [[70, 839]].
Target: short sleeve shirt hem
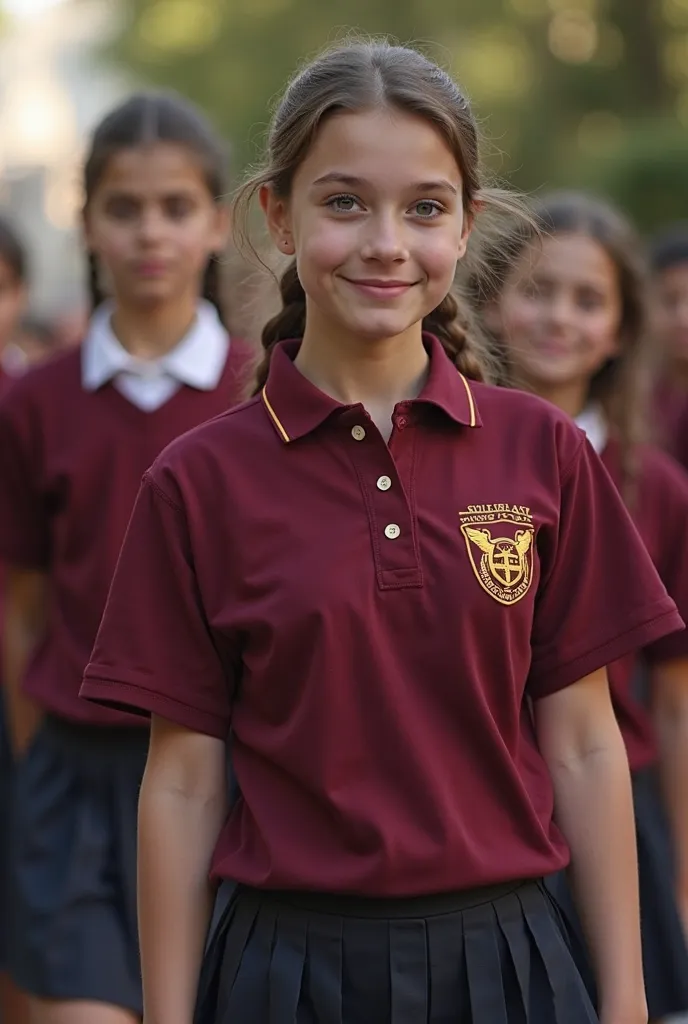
[[132, 696], [547, 677]]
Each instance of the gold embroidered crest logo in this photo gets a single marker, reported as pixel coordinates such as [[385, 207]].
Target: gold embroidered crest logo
[[499, 539]]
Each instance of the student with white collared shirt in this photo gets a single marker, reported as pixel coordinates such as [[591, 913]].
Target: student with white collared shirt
[[76, 436]]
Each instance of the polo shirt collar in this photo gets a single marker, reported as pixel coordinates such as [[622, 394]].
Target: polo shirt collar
[[197, 361], [296, 407]]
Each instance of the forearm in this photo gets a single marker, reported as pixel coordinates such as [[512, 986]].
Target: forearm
[[594, 808], [23, 715], [177, 835]]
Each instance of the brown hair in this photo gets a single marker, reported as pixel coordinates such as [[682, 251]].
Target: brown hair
[[12, 251], [356, 76], [620, 386], [144, 119]]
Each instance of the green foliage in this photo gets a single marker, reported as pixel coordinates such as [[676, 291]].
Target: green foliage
[[563, 88]]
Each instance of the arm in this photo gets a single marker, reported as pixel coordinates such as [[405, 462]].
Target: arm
[[182, 807], [669, 688], [583, 748], [24, 628]]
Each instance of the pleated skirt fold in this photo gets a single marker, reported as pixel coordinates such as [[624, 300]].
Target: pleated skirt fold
[[488, 957]]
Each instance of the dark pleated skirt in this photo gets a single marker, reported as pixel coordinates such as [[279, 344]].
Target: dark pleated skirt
[[72, 864], [5, 785], [495, 956], [665, 952]]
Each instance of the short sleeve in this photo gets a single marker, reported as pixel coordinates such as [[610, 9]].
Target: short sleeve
[[669, 485], [154, 652], [600, 596], [24, 506]]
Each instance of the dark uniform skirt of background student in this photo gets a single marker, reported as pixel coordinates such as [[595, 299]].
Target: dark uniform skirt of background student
[[74, 923], [5, 785], [665, 961], [484, 955]]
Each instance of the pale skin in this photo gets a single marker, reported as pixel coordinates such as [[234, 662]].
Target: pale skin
[[376, 223], [153, 224]]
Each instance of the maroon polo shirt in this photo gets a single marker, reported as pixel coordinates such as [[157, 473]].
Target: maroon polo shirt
[[669, 409], [660, 510], [5, 381], [370, 619], [71, 463]]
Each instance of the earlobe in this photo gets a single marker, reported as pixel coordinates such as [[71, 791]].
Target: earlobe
[[277, 217]]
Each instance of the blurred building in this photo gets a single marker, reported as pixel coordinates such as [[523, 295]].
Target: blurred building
[[54, 86]]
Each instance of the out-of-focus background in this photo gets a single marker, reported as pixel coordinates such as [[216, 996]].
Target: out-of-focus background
[[569, 92]]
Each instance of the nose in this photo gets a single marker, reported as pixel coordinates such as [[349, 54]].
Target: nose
[[560, 310], [151, 225], [385, 240]]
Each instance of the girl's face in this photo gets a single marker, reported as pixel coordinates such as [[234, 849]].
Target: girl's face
[[560, 312], [671, 312], [153, 224], [12, 302], [376, 221]]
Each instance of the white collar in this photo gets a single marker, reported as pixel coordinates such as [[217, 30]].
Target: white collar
[[198, 360], [593, 423]]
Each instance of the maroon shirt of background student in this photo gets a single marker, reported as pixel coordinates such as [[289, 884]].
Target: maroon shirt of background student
[[71, 463], [369, 619], [659, 506]]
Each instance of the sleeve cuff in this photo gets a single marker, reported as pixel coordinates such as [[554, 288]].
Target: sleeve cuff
[[124, 696], [549, 677]]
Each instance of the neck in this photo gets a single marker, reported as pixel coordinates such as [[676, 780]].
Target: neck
[[571, 397], [150, 332], [353, 370], [677, 373]]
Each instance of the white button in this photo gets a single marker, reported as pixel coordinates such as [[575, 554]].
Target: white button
[[392, 531], [358, 433], [383, 483]]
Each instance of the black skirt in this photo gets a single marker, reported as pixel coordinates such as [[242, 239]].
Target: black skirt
[[665, 953], [5, 784], [72, 864], [492, 956]]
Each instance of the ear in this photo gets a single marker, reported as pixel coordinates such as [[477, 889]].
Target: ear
[[278, 219], [466, 228]]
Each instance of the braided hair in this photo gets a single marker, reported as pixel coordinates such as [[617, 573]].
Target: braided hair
[[147, 118]]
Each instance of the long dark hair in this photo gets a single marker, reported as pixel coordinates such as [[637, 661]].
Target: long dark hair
[[356, 76], [12, 251], [147, 118], [621, 385]]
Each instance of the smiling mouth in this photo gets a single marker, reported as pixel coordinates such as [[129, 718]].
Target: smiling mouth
[[381, 288]]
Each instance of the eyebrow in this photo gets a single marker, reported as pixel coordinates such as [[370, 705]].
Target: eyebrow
[[338, 177]]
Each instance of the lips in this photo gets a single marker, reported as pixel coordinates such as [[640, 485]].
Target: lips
[[380, 288]]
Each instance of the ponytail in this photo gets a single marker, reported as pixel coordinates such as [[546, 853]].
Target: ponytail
[[454, 326], [290, 322]]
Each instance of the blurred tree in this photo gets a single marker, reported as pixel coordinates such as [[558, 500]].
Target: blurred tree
[[565, 89]]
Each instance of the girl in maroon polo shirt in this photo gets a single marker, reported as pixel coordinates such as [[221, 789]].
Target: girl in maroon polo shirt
[[76, 435], [13, 296], [669, 264], [400, 587], [572, 314]]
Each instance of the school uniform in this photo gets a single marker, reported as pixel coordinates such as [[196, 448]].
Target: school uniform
[[660, 510], [5, 767], [670, 419], [76, 436], [370, 619]]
